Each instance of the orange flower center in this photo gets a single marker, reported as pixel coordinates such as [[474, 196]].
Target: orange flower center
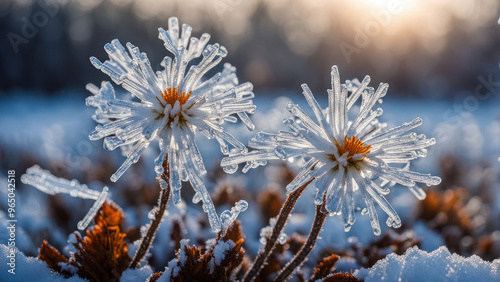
[[353, 146], [171, 95]]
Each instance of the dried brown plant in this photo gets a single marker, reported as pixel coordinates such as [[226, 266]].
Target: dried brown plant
[[53, 258], [341, 277], [200, 264], [324, 267], [101, 255]]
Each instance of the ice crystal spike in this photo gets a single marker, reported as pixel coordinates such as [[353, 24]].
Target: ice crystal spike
[[170, 105], [345, 152], [228, 217], [418, 192], [44, 181], [82, 225]]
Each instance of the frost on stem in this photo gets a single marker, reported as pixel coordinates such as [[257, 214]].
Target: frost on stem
[[275, 232], [156, 215], [347, 151], [306, 249], [266, 232], [44, 181]]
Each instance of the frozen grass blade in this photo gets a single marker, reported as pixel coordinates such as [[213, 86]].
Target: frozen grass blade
[[148, 238], [300, 257], [285, 211], [93, 210]]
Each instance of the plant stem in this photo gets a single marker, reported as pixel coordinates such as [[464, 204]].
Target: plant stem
[[147, 240], [300, 257], [285, 211]]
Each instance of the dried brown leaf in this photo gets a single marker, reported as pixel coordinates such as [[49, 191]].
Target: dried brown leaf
[[341, 277], [324, 268], [198, 264], [53, 258]]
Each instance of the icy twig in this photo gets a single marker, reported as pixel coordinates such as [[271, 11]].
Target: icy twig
[[44, 181], [148, 238], [300, 257], [285, 211], [93, 210]]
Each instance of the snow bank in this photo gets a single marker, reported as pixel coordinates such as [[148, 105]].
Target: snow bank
[[28, 269], [137, 274], [440, 265]]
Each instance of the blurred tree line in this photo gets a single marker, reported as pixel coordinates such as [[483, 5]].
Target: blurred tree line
[[424, 49]]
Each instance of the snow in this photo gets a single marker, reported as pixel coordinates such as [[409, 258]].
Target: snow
[[28, 269], [68, 267], [221, 249], [70, 249], [23, 241], [181, 257], [49, 128], [439, 265], [137, 274], [172, 270]]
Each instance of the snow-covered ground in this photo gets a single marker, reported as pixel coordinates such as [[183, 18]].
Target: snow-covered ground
[[57, 128]]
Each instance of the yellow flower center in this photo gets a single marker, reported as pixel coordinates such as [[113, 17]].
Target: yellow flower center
[[354, 146], [171, 95]]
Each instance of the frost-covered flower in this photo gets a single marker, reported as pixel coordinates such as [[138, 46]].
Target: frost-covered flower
[[170, 105], [347, 151]]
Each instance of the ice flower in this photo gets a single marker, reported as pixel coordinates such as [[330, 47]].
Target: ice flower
[[347, 151], [170, 105]]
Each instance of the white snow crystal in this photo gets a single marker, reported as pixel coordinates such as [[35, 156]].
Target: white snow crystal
[[136, 274]]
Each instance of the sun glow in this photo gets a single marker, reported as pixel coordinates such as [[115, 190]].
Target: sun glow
[[401, 6]]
